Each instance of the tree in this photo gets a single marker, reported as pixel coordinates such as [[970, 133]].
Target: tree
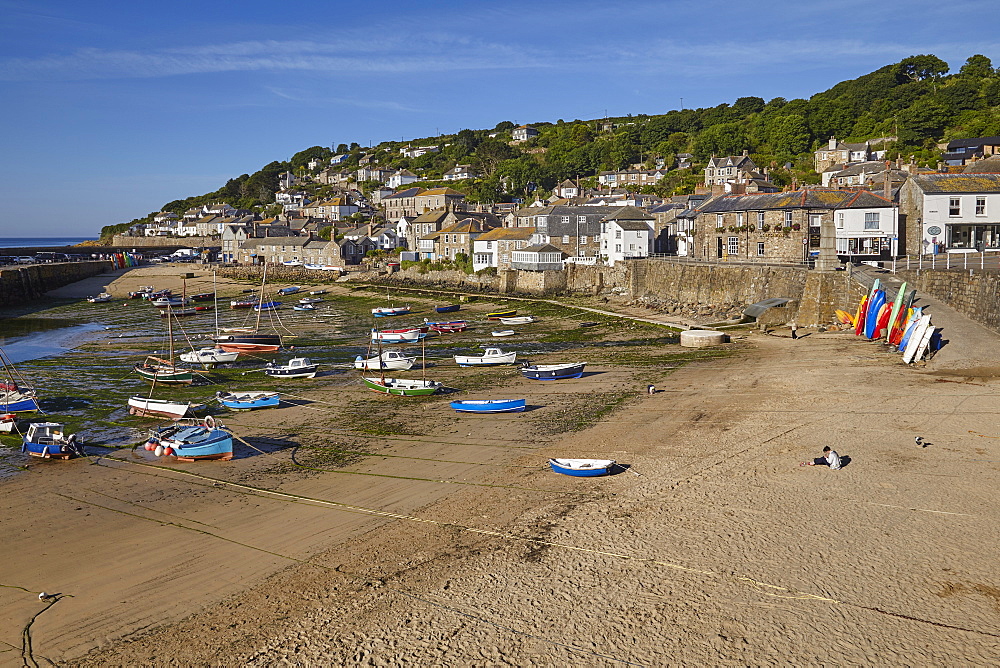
[[918, 68], [504, 126], [721, 139], [748, 105], [977, 66], [787, 134], [491, 152]]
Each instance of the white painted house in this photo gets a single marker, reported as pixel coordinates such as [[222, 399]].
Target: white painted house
[[626, 233], [951, 212]]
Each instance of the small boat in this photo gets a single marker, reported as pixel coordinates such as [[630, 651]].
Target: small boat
[[402, 387], [162, 407], [496, 315], [267, 306], [397, 335], [162, 371], [17, 400], [317, 292], [180, 312], [245, 302], [491, 357], [389, 359], [173, 302], [209, 356], [552, 371], [583, 468], [389, 311], [518, 320], [8, 422], [304, 307], [46, 439], [490, 406], [297, 367], [101, 298], [145, 292], [203, 297], [246, 401], [291, 290], [195, 439], [451, 308], [310, 300], [448, 327], [504, 332], [248, 342]]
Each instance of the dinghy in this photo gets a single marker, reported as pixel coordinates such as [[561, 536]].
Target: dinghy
[[448, 327], [304, 307], [192, 440], [451, 308], [209, 356], [8, 422], [389, 311], [489, 406], [161, 407], [504, 332], [246, 401], [518, 320], [496, 315], [583, 468], [552, 371], [402, 387], [398, 335]]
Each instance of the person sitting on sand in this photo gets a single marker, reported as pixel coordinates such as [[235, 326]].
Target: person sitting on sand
[[830, 458]]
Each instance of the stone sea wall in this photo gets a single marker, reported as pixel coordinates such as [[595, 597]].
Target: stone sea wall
[[165, 242], [22, 284], [976, 295]]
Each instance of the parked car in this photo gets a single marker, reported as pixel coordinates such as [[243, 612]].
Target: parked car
[[26, 259]]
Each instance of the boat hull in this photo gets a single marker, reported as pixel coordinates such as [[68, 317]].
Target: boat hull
[[385, 312], [19, 403], [485, 360], [553, 371], [401, 387], [247, 401], [171, 409], [304, 372], [583, 468], [209, 356], [490, 406], [374, 363], [156, 374], [496, 315], [191, 443], [448, 309]]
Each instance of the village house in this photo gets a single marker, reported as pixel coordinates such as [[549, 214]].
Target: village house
[[839, 153], [567, 189], [372, 174], [524, 133], [426, 224], [233, 237], [785, 227], [333, 177], [625, 234], [951, 212], [416, 152], [496, 247], [862, 174], [437, 198], [460, 237], [575, 230], [402, 177], [538, 257], [401, 203], [630, 178], [459, 173], [333, 209], [730, 169], [273, 250], [964, 151]]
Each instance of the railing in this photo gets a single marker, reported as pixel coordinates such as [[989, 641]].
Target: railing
[[966, 260], [684, 259]]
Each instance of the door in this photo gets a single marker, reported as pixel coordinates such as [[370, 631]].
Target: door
[[718, 247]]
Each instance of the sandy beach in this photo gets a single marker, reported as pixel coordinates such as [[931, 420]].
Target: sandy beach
[[446, 541]]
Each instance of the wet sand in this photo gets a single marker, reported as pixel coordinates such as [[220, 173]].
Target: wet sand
[[461, 549]]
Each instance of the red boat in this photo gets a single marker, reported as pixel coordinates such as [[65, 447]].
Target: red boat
[[244, 303], [448, 327]]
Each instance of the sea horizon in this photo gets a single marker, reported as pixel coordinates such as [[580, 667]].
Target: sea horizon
[[33, 242]]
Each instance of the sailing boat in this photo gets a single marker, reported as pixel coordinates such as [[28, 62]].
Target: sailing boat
[[158, 369], [209, 357], [402, 386], [15, 398], [251, 341]]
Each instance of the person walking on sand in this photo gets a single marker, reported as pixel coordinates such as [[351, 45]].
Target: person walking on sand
[[795, 333], [830, 458]]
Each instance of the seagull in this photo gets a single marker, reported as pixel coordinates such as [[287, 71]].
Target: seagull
[[42, 596], [919, 440]]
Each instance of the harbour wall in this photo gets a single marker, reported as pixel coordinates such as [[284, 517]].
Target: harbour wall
[[139, 243], [22, 284], [975, 295]]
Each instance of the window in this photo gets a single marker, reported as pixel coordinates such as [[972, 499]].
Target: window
[[483, 258], [871, 220], [980, 206], [733, 245], [954, 206], [760, 248], [739, 219], [788, 219], [631, 247], [760, 220], [840, 220], [489, 244], [581, 220], [814, 220], [719, 220], [583, 240], [566, 238], [565, 220], [618, 234]]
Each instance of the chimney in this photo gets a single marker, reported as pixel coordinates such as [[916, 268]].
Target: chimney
[[833, 143], [887, 181]]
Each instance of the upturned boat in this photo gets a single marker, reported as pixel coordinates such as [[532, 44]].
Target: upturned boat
[[583, 468], [291, 290], [552, 371], [489, 406], [246, 401], [192, 440], [491, 357], [47, 440], [506, 313]]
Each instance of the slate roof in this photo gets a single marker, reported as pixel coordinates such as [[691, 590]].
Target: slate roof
[[629, 213], [541, 248], [958, 183], [974, 142], [507, 233], [797, 199], [989, 165], [409, 192], [442, 191]]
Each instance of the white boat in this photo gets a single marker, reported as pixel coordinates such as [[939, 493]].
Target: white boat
[[518, 320], [8, 422], [317, 292], [397, 335], [491, 357], [310, 300], [389, 359], [164, 302], [209, 356], [174, 410], [101, 298], [504, 332], [297, 367]]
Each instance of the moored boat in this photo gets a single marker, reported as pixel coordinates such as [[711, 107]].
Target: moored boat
[[208, 356], [518, 320], [248, 342], [402, 387], [451, 308], [179, 312], [389, 311], [267, 306], [448, 327], [389, 359], [195, 439], [291, 290], [491, 357], [506, 313], [101, 298], [162, 407], [310, 300], [172, 302], [47, 440], [245, 401], [398, 335], [163, 371], [490, 406], [304, 307], [244, 302], [317, 292], [552, 371], [8, 422], [583, 468], [503, 332], [203, 297], [297, 367]]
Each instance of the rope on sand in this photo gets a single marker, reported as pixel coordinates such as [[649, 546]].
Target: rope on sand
[[765, 588]]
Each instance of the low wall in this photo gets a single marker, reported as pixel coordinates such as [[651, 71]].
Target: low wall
[[22, 284], [165, 242], [976, 296]]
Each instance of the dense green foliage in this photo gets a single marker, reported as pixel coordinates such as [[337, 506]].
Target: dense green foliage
[[915, 104]]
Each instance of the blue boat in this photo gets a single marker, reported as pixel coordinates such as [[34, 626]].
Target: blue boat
[[490, 406], [289, 290], [18, 401], [552, 371], [583, 468], [246, 401], [46, 440], [190, 440], [448, 309], [267, 306]]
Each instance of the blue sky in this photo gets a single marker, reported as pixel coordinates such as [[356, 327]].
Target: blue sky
[[111, 109]]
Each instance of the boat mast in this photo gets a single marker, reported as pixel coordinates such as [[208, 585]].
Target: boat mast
[[215, 302], [260, 301]]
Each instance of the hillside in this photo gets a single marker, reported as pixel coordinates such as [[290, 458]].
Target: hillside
[[916, 103]]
